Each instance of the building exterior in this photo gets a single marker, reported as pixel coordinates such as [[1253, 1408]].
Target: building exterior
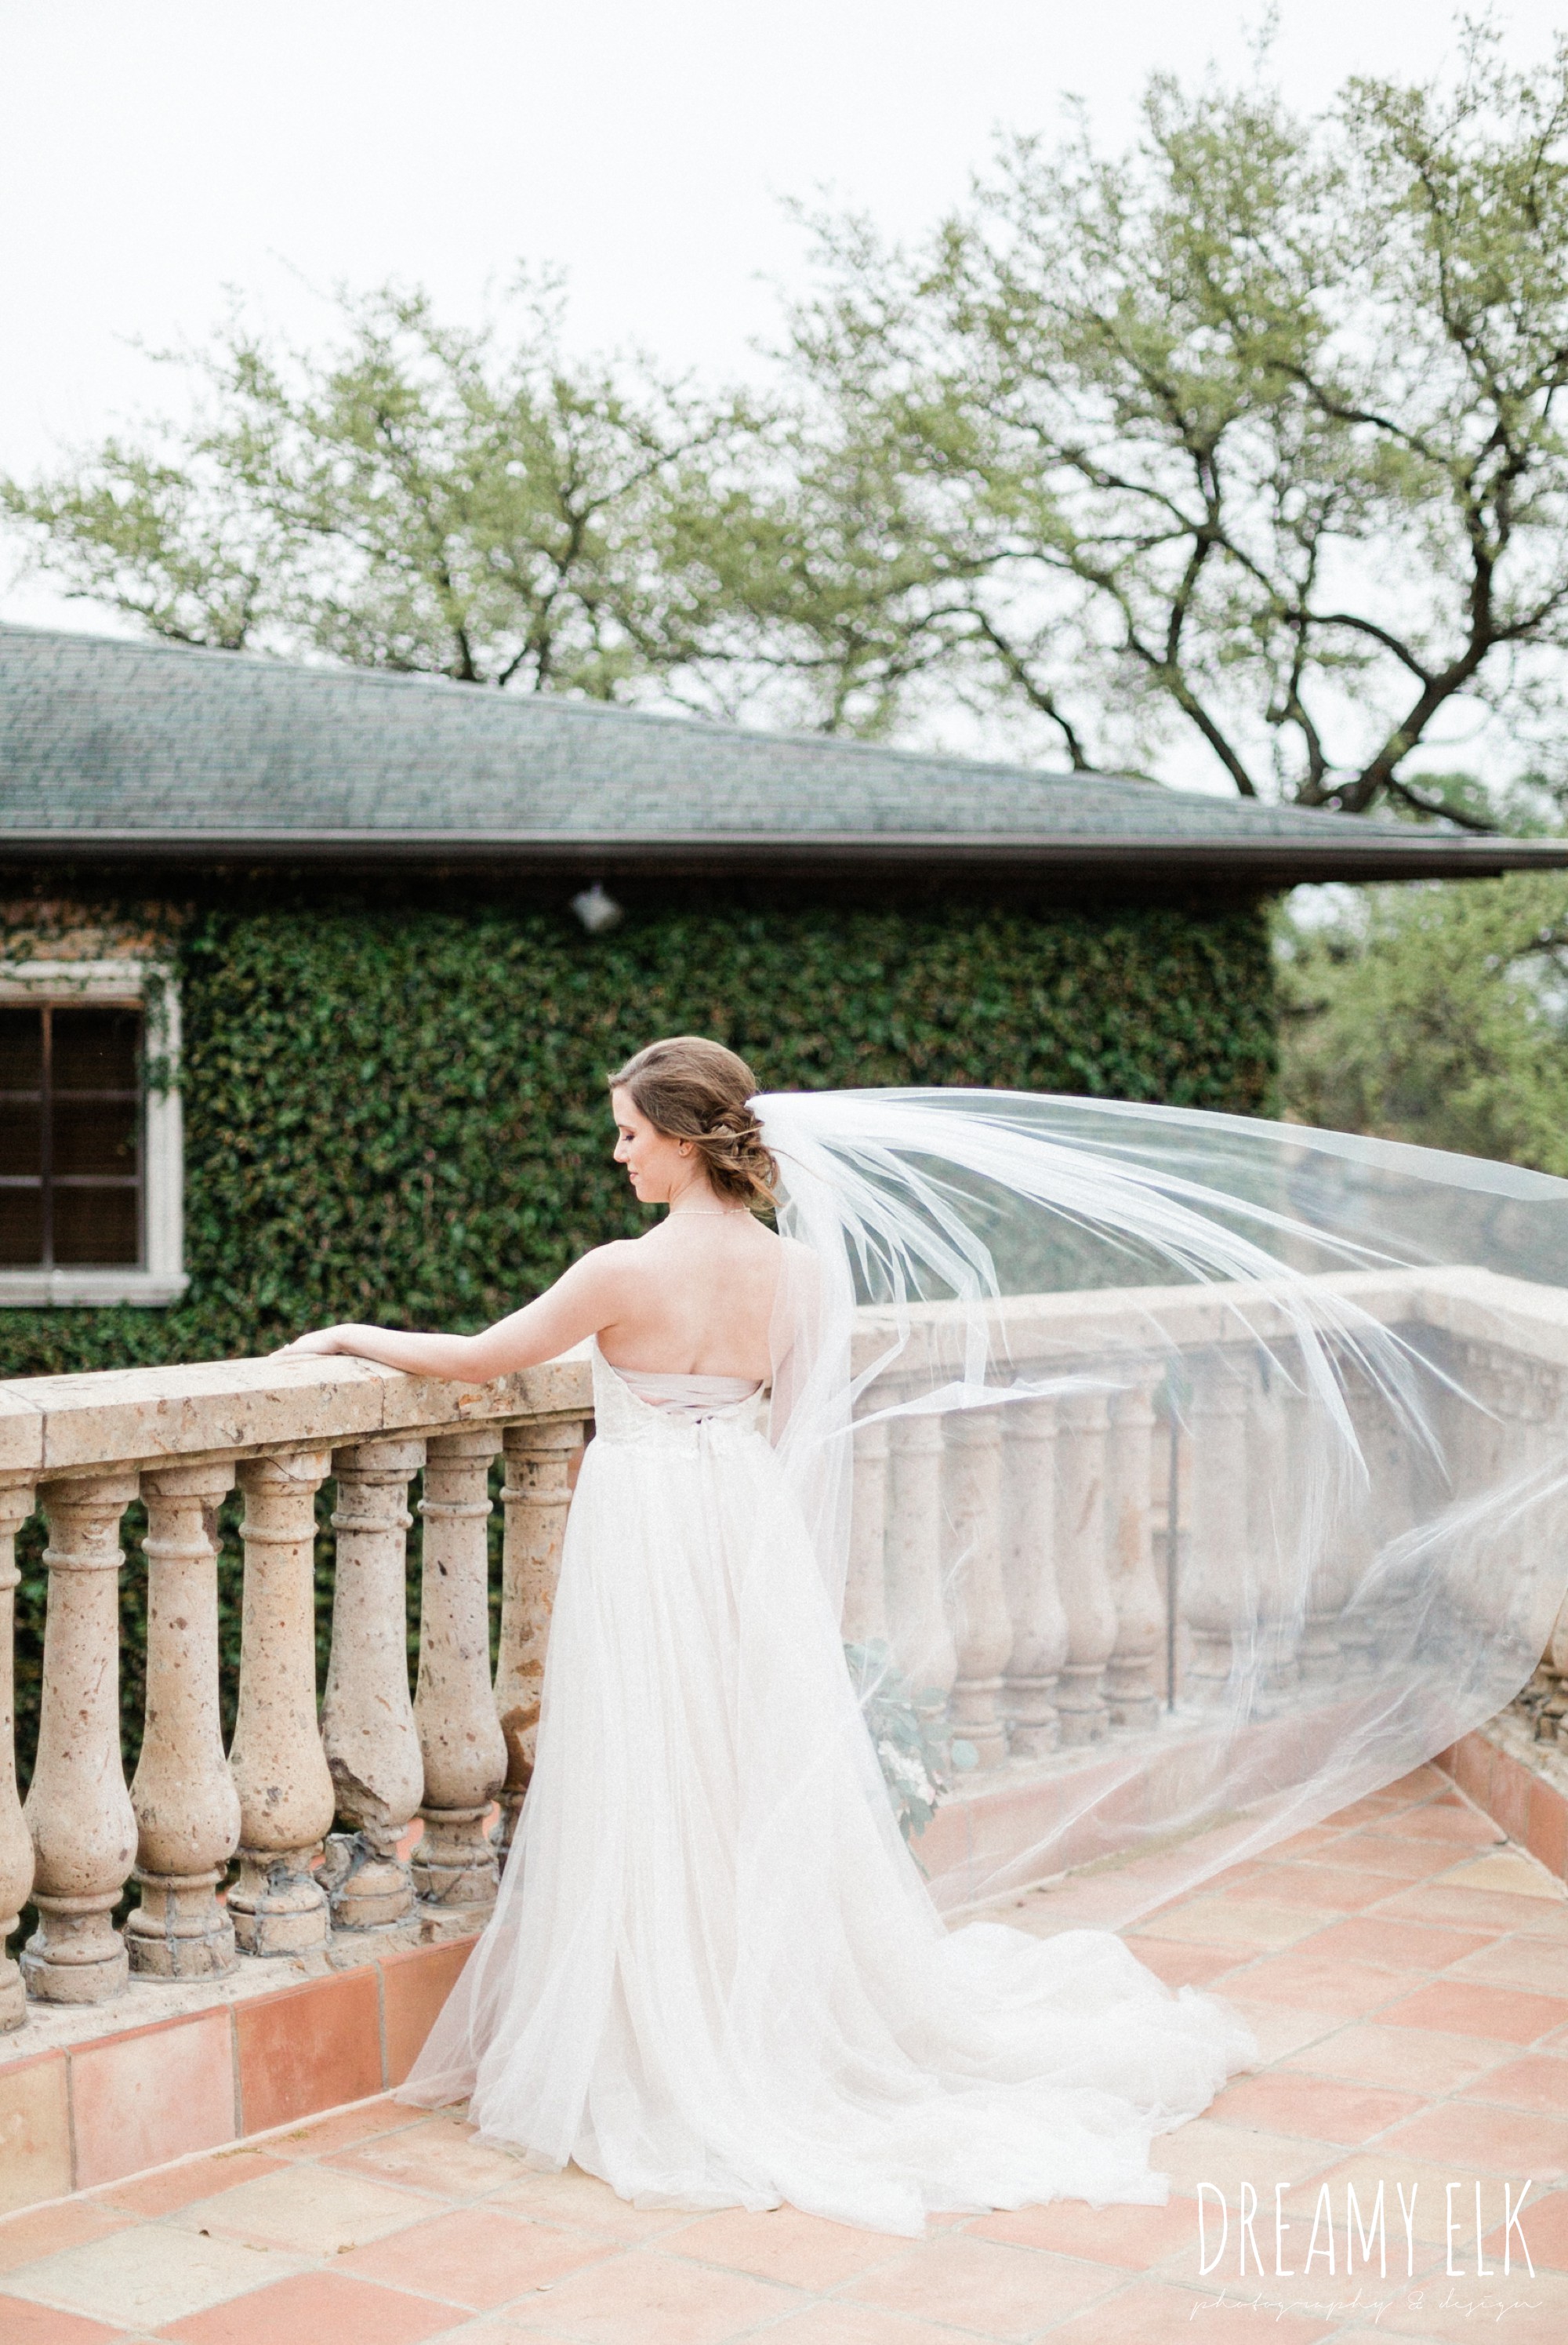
[[310, 979]]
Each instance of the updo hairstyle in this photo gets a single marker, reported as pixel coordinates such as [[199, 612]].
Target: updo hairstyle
[[696, 1089]]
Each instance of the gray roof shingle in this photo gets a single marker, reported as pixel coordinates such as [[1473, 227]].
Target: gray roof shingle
[[134, 751]]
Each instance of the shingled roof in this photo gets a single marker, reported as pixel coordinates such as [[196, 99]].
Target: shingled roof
[[147, 753]]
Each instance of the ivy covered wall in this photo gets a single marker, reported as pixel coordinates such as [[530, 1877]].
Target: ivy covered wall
[[397, 1112]]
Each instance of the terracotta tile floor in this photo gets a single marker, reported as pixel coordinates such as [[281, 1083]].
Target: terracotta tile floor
[[1406, 1971]]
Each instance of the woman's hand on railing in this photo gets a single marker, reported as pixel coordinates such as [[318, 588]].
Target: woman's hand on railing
[[594, 1294], [318, 1341], [457, 1358]]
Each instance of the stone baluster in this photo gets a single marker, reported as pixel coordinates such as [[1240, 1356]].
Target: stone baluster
[[1527, 1402], [15, 1841], [1476, 1439], [1083, 1564], [1277, 1428], [537, 1498], [1539, 1455], [1029, 1570], [1332, 1642], [919, 1626], [1213, 1584], [1375, 1603], [1549, 1712], [1132, 1672], [368, 1727], [1481, 1451], [187, 1808], [463, 1748], [78, 1810], [984, 1633], [865, 1591], [1549, 1537], [1171, 1460], [281, 1772]]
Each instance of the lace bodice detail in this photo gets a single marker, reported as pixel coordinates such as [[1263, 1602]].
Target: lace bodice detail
[[642, 1404]]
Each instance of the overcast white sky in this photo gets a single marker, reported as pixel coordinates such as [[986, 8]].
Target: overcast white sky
[[155, 152]]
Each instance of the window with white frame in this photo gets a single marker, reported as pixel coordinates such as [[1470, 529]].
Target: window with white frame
[[91, 1148]]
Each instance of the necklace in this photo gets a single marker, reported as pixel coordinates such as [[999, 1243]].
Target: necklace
[[710, 1212]]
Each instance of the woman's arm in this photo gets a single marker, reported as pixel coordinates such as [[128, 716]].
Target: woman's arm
[[577, 1306]]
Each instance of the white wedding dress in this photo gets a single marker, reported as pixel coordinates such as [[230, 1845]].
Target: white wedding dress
[[714, 1976]]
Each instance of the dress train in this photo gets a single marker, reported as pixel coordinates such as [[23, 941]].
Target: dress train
[[714, 1976]]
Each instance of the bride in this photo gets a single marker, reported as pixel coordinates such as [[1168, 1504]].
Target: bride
[[714, 1975]]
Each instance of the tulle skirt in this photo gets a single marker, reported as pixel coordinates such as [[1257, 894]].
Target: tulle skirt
[[714, 1976]]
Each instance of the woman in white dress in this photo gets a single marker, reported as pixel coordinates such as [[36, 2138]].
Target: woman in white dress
[[715, 1976]]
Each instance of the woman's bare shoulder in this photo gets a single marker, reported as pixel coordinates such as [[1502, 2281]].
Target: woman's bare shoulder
[[796, 1258], [607, 1265], [799, 1272]]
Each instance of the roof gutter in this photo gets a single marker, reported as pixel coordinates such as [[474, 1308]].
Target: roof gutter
[[1267, 861]]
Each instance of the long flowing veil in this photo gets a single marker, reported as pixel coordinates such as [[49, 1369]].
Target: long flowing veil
[[1180, 1477]]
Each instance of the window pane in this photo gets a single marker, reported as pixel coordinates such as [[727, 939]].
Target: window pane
[[21, 1137], [21, 1229], [97, 1227], [95, 1136], [21, 1050], [95, 1050]]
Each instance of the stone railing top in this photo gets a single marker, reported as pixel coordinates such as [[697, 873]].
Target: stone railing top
[[1480, 1306], [142, 1416]]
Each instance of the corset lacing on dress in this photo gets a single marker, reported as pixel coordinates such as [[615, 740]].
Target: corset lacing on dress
[[689, 1398]]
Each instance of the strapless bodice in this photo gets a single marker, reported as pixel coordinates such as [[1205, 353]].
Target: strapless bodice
[[634, 1404]]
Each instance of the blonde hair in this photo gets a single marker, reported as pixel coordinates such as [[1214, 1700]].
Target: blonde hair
[[696, 1089]]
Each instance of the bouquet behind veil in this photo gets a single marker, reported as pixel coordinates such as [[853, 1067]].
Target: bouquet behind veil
[[1180, 1478]]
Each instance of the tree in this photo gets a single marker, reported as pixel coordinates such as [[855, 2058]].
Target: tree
[[1254, 430], [1433, 1013], [807, 579], [418, 497]]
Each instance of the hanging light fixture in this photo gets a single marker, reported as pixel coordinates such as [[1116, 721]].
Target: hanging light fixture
[[597, 911]]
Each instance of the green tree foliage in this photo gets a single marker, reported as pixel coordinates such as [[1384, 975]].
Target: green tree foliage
[[1254, 428], [419, 497], [1434, 1014], [1249, 433]]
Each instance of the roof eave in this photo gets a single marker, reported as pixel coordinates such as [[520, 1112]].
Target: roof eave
[[1264, 861]]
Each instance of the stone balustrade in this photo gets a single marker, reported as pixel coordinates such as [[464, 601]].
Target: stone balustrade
[[1058, 1575], [366, 1757], [1065, 1571]]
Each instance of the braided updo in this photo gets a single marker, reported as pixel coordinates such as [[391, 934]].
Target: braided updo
[[696, 1089]]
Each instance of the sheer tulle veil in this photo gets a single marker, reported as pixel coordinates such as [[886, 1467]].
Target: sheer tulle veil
[[1180, 1477], [1168, 1481]]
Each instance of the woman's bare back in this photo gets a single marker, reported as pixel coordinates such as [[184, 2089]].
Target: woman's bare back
[[693, 1297]]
